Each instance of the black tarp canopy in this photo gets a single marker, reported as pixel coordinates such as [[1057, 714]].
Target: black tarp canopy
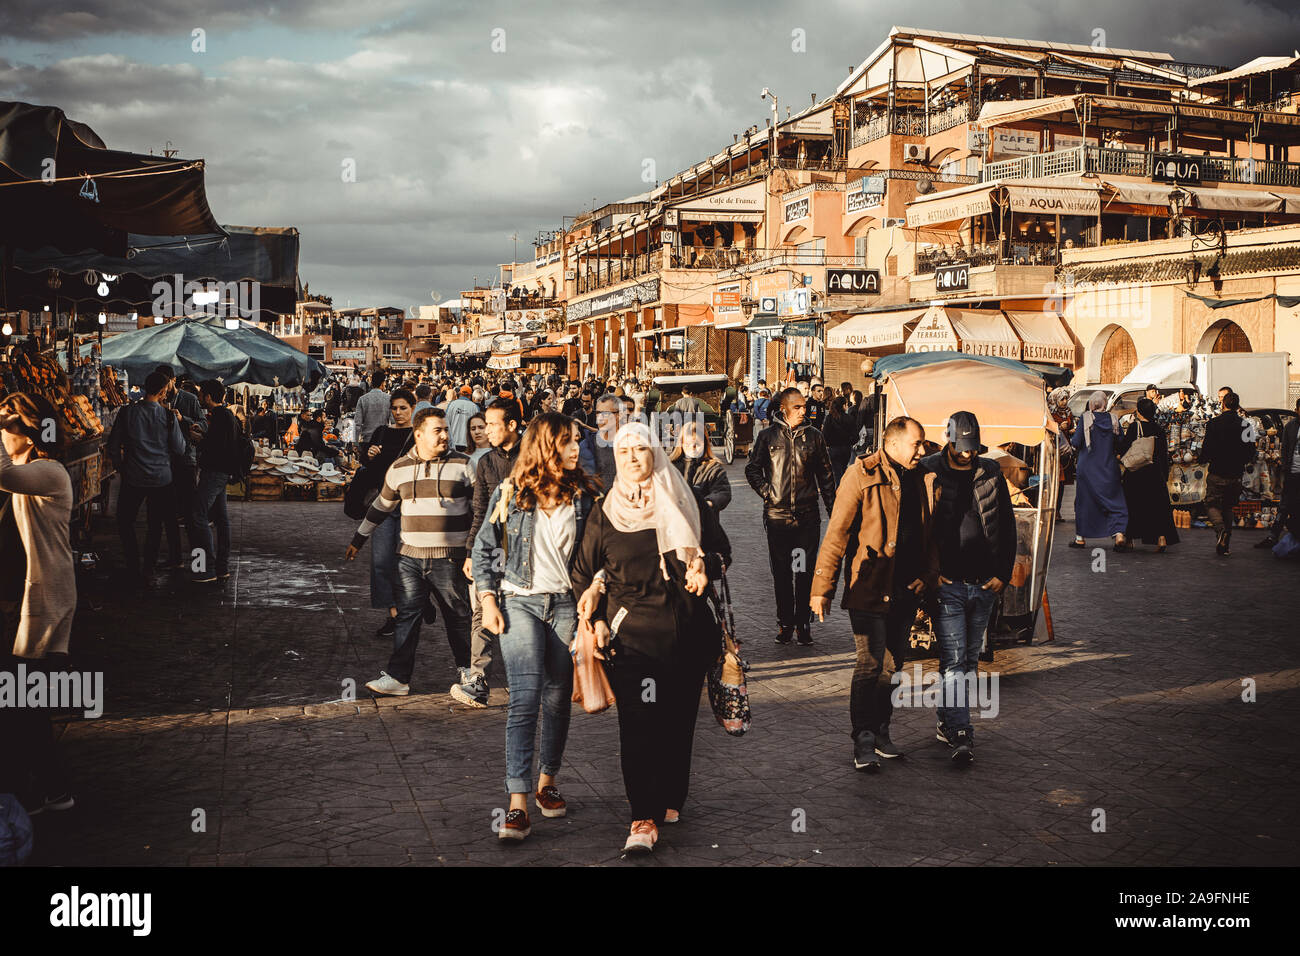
[[91, 196], [265, 255]]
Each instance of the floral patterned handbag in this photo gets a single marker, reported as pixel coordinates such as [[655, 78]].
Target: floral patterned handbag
[[728, 694]]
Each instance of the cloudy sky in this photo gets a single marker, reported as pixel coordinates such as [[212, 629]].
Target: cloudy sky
[[467, 122]]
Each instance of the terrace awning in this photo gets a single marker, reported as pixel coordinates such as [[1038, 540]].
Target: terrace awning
[[1042, 336], [951, 205], [872, 330], [1235, 200]]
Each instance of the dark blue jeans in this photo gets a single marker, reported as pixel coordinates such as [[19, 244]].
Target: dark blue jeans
[[385, 541], [963, 616], [417, 580], [535, 650], [210, 503]]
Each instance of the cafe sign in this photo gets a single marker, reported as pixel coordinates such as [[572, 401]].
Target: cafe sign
[[1176, 169], [853, 281], [952, 278], [798, 209]]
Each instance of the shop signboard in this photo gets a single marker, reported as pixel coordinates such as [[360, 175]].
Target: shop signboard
[[628, 297], [1017, 142], [792, 302], [766, 305], [726, 299], [798, 209], [853, 281], [1176, 169], [799, 329], [505, 343], [953, 277], [348, 355], [934, 333]]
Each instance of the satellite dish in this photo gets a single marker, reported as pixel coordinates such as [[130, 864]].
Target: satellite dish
[[924, 186]]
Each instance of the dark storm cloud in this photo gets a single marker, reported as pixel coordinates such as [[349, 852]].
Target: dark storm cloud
[[456, 146]]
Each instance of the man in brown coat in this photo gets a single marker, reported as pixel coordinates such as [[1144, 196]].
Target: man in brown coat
[[889, 563]]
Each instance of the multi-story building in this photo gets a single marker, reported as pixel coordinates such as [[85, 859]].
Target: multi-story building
[[946, 168]]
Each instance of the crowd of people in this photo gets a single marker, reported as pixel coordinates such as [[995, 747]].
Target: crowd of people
[[520, 510]]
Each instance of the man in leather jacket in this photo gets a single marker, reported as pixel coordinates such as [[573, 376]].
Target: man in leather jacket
[[790, 468]]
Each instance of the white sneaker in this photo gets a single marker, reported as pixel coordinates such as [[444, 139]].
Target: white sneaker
[[388, 686]]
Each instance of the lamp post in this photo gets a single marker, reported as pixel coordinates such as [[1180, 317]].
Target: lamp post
[[776, 117]]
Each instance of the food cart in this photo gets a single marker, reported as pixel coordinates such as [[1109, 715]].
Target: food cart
[[726, 430], [1009, 401]]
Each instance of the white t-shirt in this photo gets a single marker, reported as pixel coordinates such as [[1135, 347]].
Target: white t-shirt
[[553, 539]]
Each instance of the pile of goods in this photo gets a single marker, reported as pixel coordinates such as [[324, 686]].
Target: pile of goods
[[289, 476], [37, 373]]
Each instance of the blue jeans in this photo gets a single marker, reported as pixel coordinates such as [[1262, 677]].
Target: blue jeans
[[963, 616], [535, 649], [210, 503], [417, 580], [384, 542]]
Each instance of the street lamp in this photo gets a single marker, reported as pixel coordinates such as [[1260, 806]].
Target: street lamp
[[776, 117]]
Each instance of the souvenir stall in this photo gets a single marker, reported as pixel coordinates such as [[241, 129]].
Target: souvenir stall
[[1260, 481]]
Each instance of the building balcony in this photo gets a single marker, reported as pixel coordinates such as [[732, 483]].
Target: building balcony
[[911, 123], [1015, 253], [1140, 164]]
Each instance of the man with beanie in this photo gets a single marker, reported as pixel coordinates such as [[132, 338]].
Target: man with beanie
[[975, 527]]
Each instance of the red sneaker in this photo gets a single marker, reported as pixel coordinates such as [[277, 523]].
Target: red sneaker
[[550, 802], [516, 826]]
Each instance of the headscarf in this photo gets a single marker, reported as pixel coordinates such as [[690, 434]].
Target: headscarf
[[1096, 403], [663, 501]]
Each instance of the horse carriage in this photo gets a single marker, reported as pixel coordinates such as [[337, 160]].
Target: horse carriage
[[729, 431]]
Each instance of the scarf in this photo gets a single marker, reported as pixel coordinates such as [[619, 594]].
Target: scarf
[[1097, 403], [663, 501]]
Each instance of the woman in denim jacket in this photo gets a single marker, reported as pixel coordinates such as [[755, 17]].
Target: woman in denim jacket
[[521, 561]]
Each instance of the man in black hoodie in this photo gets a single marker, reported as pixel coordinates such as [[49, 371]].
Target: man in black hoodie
[[504, 431], [976, 530], [789, 468]]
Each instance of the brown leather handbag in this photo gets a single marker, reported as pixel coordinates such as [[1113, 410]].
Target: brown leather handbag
[[590, 683]]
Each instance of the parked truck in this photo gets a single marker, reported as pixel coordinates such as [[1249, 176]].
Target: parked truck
[[1260, 378]]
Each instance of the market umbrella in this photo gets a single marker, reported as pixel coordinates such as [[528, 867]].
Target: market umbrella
[[204, 348], [264, 255], [89, 196]]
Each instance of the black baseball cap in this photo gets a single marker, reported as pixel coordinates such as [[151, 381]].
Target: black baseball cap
[[963, 433]]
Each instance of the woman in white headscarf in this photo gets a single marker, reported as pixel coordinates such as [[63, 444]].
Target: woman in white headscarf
[[656, 552], [1100, 510]]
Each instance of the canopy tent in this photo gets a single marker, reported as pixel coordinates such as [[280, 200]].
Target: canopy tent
[[204, 348], [264, 255], [1006, 397], [89, 197]]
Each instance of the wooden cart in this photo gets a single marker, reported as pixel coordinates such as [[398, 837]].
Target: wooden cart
[[726, 430]]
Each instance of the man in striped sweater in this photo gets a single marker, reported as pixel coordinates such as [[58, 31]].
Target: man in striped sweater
[[435, 487]]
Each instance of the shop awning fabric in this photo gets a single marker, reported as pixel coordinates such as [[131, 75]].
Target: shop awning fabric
[[1042, 337], [205, 348], [98, 195], [872, 330]]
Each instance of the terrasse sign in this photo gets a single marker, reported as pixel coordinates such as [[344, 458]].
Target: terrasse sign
[[1176, 169], [853, 281]]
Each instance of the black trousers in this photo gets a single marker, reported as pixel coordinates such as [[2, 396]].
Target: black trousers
[[792, 550], [881, 641], [1221, 496], [1289, 506], [658, 702], [162, 515], [185, 478], [29, 758]]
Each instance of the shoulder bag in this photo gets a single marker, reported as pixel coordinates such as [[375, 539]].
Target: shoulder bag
[[728, 693], [364, 489], [1141, 453], [591, 686]]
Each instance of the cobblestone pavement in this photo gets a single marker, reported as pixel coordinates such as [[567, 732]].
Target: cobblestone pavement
[[228, 702]]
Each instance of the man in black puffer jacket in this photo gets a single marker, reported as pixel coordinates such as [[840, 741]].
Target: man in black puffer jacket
[[789, 468]]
